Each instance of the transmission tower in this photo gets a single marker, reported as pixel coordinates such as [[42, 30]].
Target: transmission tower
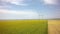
[[40, 16]]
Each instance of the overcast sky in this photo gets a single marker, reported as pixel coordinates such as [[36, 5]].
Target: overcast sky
[[29, 9]]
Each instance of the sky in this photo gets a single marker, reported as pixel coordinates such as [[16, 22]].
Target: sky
[[29, 9]]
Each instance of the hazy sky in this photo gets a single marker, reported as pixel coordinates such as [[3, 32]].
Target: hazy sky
[[29, 9]]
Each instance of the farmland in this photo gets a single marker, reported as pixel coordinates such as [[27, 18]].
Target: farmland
[[23, 27], [54, 26]]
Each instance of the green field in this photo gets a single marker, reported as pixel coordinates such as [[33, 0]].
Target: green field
[[23, 27]]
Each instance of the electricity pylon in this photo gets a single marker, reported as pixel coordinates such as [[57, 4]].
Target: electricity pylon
[[39, 15]]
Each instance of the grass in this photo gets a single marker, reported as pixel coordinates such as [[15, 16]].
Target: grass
[[23, 27]]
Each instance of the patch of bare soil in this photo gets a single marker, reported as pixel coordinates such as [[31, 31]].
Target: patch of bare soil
[[53, 26]]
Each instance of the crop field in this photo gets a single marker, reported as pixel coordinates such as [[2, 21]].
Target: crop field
[[23, 27], [54, 26]]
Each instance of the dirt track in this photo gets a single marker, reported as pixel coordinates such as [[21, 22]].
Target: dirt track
[[53, 26]]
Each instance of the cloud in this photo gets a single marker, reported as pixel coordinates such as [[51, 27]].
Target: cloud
[[51, 2], [11, 14], [11, 3], [16, 2], [5, 11]]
